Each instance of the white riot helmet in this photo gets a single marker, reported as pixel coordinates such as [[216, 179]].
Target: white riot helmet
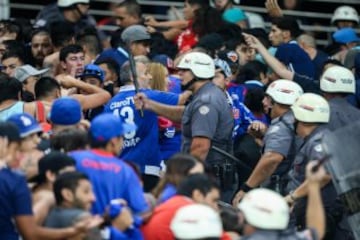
[[345, 13], [68, 3], [311, 108], [201, 64], [337, 79], [265, 209], [284, 91]]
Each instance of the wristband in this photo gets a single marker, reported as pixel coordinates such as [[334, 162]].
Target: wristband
[[245, 188]]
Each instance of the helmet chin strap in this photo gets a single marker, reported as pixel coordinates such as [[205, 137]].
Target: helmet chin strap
[[188, 85], [79, 11]]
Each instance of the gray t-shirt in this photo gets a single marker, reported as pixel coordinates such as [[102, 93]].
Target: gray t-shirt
[[209, 115], [59, 217]]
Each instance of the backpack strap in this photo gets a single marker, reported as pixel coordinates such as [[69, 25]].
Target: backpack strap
[[40, 112]]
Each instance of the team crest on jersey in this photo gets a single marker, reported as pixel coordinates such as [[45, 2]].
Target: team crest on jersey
[[204, 110], [232, 56]]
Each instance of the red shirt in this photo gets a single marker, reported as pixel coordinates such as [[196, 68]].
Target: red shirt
[[187, 39], [158, 227]]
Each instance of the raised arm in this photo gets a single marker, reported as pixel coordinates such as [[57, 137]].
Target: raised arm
[[270, 60], [315, 216], [96, 96]]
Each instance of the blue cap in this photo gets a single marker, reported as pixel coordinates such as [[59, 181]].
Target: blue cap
[[107, 126], [165, 60], [92, 70], [117, 54], [65, 111], [345, 35], [26, 124]]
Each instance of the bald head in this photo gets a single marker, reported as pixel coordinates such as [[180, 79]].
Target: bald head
[[307, 40]]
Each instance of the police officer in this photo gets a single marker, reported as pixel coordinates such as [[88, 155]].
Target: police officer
[[207, 120], [72, 11], [279, 145], [312, 113], [336, 83], [267, 214]]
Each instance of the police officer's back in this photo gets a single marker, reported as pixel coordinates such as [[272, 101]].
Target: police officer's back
[[56, 13]]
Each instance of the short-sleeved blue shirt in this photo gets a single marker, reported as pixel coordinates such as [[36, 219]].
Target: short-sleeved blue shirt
[[111, 178], [15, 200]]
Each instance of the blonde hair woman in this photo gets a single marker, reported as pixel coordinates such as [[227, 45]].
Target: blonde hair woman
[[159, 75]]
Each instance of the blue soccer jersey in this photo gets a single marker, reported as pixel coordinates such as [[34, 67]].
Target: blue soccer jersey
[[111, 178], [142, 145]]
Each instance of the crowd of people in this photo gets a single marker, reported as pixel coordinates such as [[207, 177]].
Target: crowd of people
[[206, 127]]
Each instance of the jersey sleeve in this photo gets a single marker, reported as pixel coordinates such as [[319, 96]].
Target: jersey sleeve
[[278, 139], [163, 97], [135, 193], [22, 198]]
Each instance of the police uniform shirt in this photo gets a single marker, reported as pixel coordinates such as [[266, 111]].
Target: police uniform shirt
[[208, 115], [51, 13], [342, 113], [280, 138], [310, 150]]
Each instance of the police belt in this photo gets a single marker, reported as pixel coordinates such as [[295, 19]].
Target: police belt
[[233, 158]]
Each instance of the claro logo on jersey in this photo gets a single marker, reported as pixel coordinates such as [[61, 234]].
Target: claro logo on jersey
[[131, 142]]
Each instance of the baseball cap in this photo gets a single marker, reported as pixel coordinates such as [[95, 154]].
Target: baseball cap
[[54, 162], [196, 221], [223, 66], [345, 35], [10, 131], [26, 71], [107, 126], [92, 70], [65, 111], [165, 60], [231, 57], [26, 124], [135, 33]]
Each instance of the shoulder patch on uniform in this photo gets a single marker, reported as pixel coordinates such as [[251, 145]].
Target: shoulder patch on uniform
[[204, 110], [273, 129], [318, 148]]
